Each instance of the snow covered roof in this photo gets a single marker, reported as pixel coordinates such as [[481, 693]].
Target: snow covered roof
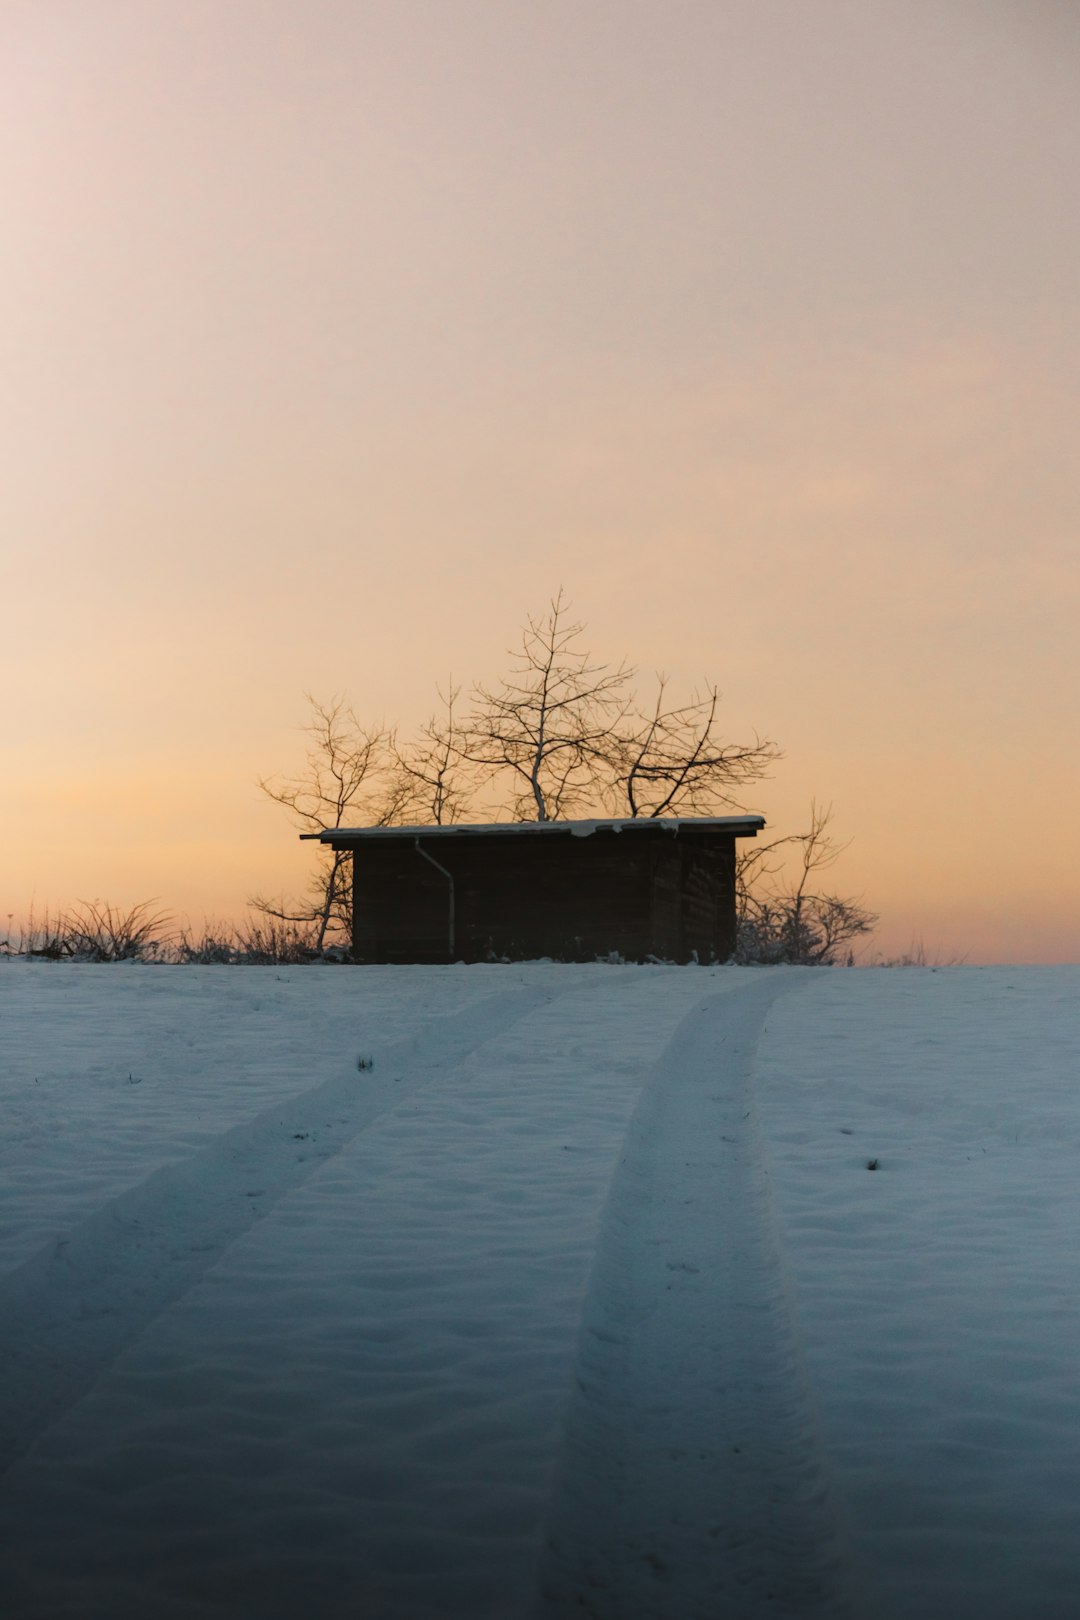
[[740, 826]]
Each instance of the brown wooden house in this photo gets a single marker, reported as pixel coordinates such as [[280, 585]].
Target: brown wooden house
[[569, 890]]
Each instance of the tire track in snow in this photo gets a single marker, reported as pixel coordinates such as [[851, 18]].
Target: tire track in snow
[[692, 1481], [70, 1310]]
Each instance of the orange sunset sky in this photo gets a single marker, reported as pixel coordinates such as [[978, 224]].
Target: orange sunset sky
[[337, 334]]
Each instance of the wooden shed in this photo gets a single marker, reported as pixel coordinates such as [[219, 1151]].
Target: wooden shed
[[569, 890]]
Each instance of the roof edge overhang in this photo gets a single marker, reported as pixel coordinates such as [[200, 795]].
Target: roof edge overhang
[[349, 837]]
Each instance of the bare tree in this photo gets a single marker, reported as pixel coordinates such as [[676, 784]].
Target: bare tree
[[787, 919], [346, 778], [433, 773], [561, 735], [670, 762], [553, 724]]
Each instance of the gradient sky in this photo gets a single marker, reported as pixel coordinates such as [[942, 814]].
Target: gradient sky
[[337, 334]]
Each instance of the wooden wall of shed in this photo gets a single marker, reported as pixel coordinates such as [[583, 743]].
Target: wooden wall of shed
[[569, 898], [693, 899], [573, 899], [708, 898], [399, 906]]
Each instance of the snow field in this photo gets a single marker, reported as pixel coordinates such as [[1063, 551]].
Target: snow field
[[938, 1298], [139, 1067], [350, 1394], [693, 1479], [581, 1300]]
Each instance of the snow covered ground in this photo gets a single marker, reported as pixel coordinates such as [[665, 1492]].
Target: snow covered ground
[[579, 1298]]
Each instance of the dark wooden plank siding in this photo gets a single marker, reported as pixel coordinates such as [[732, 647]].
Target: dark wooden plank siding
[[707, 899], [665, 926], [645, 893]]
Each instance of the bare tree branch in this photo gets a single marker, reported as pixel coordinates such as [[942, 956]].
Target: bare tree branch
[[553, 723], [788, 920], [345, 778], [671, 764], [432, 774]]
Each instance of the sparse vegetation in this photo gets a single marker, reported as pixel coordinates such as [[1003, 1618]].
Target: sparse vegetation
[[785, 918], [94, 931], [98, 932], [43, 937], [260, 941], [916, 956]]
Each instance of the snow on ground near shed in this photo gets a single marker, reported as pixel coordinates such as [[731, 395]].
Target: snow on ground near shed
[[581, 1300]]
